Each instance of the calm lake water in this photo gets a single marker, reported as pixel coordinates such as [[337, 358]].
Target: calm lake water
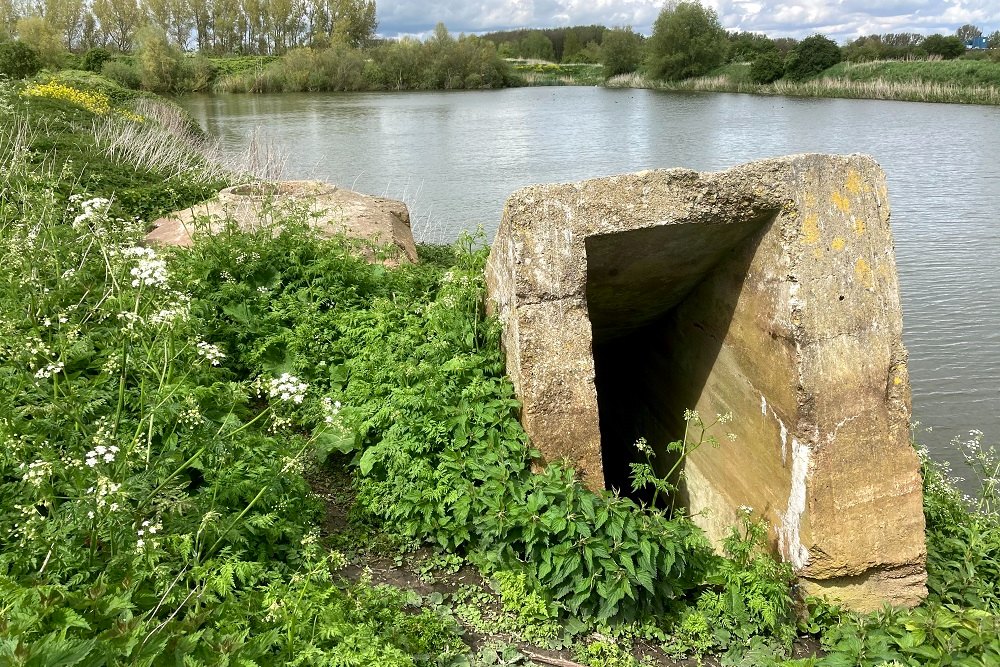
[[455, 157]]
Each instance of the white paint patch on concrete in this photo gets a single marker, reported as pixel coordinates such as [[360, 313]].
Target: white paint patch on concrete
[[793, 296], [784, 442], [789, 540]]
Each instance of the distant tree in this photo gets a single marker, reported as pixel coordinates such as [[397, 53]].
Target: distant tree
[[746, 46], [621, 51], [967, 32], [354, 22], [175, 17], [8, 18], [44, 38], [591, 53], [785, 44], [687, 41], [945, 47], [119, 19], [993, 41], [571, 46], [767, 67], [890, 46], [66, 16], [18, 60], [811, 56], [91, 35], [159, 62], [536, 45]]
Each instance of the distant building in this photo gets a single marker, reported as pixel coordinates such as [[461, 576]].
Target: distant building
[[976, 43]]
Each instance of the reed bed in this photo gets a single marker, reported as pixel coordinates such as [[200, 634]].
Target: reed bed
[[164, 142], [876, 89]]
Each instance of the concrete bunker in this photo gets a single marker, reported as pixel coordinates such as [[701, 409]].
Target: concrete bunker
[[768, 290]]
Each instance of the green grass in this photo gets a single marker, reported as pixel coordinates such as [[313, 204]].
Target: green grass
[[969, 73]]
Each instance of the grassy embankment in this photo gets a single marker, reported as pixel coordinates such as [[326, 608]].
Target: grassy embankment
[[215, 455], [544, 73], [956, 81]]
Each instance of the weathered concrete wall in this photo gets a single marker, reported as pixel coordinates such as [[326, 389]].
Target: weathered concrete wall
[[330, 210], [768, 290]]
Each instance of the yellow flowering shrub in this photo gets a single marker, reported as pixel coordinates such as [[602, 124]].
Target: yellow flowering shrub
[[95, 103]]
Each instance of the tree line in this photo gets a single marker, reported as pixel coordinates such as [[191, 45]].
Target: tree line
[[260, 27], [336, 39]]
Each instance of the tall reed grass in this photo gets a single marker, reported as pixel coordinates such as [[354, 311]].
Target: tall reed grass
[[877, 89], [164, 142]]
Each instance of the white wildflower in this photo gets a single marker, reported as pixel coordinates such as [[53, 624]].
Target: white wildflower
[[36, 473], [48, 370], [287, 388], [91, 209], [331, 409], [149, 271], [210, 352]]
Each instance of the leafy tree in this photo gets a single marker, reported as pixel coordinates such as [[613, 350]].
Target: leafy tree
[[746, 46], [119, 19], [967, 32], [18, 60], [811, 56], [159, 62], [621, 51], [785, 44], [66, 17], [767, 67], [174, 17], [589, 54], [993, 41], [8, 18], [687, 41], [571, 46], [536, 45], [945, 47], [95, 58], [355, 22], [44, 38]]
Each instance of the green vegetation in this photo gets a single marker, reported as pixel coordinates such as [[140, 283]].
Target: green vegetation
[[442, 62], [621, 52], [573, 44], [164, 46], [536, 73], [810, 57], [687, 41], [162, 410]]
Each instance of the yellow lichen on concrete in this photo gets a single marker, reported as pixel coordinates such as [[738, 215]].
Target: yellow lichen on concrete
[[854, 184], [838, 244], [841, 201], [863, 273], [810, 229]]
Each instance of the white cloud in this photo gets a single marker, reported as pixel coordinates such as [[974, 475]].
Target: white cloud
[[839, 19]]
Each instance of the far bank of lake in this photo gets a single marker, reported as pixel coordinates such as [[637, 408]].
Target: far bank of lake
[[455, 157]]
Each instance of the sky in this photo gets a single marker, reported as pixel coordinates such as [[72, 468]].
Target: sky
[[842, 20]]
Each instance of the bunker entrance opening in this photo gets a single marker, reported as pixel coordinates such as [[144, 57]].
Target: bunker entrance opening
[[660, 301]]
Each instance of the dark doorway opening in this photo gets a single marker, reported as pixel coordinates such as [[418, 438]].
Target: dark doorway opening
[[660, 302]]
